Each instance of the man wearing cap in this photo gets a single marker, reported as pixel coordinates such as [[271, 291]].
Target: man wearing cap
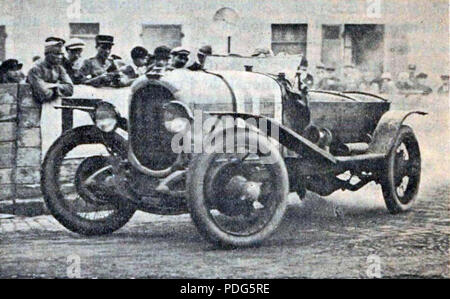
[[49, 81], [444, 88], [11, 72], [304, 80], [319, 74], [180, 56], [100, 69], [161, 58], [412, 73], [403, 83], [421, 80], [387, 85], [330, 82], [72, 63], [202, 53], [48, 78]]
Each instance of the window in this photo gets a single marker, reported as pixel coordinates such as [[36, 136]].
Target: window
[[289, 38], [2, 43], [331, 45], [159, 35], [84, 29], [86, 32], [365, 44]]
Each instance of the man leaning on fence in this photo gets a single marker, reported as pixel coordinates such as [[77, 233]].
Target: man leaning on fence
[[49, 81]]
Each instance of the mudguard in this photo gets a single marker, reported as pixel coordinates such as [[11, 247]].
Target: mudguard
[[387, 130]]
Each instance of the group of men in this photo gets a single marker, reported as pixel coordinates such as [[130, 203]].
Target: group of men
[[352, 79], [51, 76], [55, 74]]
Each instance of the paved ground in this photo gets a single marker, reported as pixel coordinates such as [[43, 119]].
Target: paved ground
[[312, 241]]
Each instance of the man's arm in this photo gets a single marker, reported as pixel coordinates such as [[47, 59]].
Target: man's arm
[[65, 86], [43, 91], [85, 69]]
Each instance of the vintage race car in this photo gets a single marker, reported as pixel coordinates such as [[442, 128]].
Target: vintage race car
[[227, 147]]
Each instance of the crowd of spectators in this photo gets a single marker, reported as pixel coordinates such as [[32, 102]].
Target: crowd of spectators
[[351, 78]]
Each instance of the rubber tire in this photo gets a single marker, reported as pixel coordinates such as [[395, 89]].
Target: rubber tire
[[393, 203], [199, 213], [49, 186]]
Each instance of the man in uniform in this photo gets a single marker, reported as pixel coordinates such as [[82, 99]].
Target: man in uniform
[[49, 81], [72, 63], [11, 71], [179, 57], [100, 70], [202, 53]]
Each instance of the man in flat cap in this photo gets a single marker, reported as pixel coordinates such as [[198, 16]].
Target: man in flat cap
[[161, 56], [179, 57], [100, 70], [202, 53], [421, 84], [330, 82], [72, 63], [49, 81], [11, 71], [444, 88]]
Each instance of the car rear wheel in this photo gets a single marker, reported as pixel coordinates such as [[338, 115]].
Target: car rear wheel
[[238, 199], [401, 182]]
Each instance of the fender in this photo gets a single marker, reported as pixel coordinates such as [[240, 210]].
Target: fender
[[287, 138], [387, 130], [86, 105]]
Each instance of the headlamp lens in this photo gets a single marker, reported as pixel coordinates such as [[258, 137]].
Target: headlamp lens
[[176, 118], [106, 117]]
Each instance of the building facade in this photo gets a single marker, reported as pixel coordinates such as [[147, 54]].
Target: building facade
[[380, 35]]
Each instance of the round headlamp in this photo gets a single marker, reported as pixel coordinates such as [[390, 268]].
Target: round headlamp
[[176, 117], [106, 117]]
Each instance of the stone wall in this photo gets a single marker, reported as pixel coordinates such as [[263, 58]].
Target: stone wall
[[20, 143]]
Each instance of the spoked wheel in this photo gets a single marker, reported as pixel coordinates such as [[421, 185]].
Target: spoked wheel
[[401, 183], [76, 183], [238, 199]]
